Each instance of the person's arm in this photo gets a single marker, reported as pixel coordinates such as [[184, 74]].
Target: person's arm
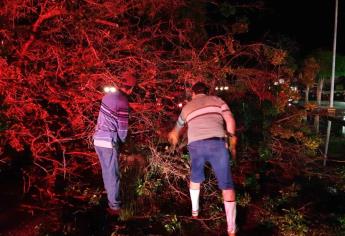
[[174, 134], [230, 128], [122, 114]]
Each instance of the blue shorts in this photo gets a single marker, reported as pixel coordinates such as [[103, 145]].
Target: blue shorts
[[211, 150]]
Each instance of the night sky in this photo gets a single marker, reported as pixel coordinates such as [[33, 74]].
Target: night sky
[[309, 22]]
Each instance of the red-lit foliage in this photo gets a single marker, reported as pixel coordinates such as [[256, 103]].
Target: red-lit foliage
[[56, 55]]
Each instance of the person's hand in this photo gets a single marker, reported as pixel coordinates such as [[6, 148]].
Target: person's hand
[[232, 146], [173, 137]]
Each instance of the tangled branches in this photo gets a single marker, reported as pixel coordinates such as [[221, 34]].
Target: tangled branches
[[55, 57], [173, 168]]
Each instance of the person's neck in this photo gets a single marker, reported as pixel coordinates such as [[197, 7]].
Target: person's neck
[[198, 95], [126, 91]]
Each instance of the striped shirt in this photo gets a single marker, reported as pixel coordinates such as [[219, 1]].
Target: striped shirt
[[112, 122], [205, 117]]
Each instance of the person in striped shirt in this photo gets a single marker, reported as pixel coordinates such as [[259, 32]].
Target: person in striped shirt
[[110, 131], [209, 122]]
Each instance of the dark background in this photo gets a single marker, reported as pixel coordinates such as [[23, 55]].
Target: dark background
[[309, 22]]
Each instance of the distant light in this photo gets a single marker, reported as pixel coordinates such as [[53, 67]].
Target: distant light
[[217, 88], [109, 89], [226, 88], [281, 81], [275, 83], [289, 104], [221, 88], [290, 99], [293, 88], [180, 105]]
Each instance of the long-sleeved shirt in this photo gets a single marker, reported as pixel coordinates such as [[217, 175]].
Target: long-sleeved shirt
[[112, 122], [205, 116]]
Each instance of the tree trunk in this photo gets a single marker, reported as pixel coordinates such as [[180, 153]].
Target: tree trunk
[[317, 123], [307, 94], [319, 91], [318, 99]]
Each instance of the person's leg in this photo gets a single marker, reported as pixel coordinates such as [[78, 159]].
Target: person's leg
[[194, 190], [197, 174], [110, 174], [221, 166], [230, 210]]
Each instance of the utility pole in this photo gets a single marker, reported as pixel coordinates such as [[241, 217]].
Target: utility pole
[[331, 97], [331, 109]]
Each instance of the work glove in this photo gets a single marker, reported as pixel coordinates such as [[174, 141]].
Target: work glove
[[173, 137]]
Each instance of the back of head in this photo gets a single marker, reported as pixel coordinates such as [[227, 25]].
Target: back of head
[[200, 88], [128, 79]]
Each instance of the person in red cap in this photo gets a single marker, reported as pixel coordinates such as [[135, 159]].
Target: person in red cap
[[110, 131]]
